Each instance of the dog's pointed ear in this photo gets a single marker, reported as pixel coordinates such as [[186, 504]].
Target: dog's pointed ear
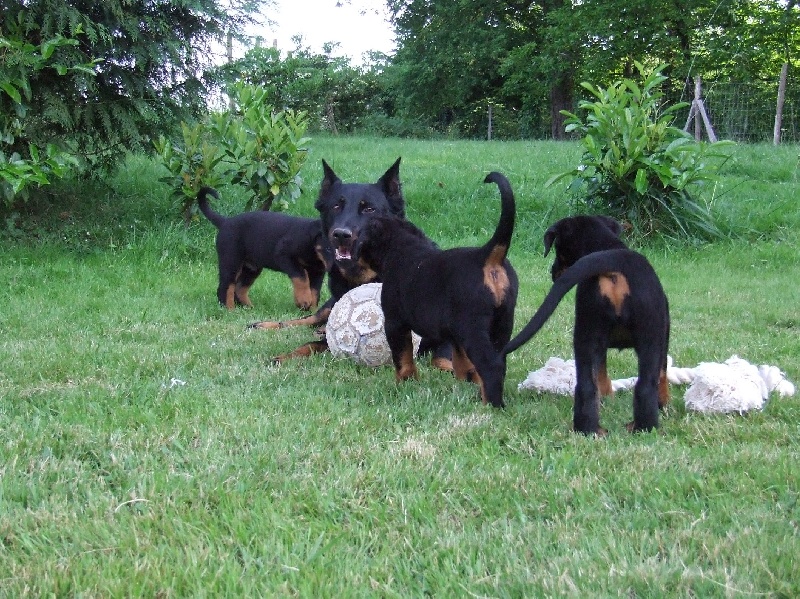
[[612, 224], [549, 237], [391, 186], [329, 177]]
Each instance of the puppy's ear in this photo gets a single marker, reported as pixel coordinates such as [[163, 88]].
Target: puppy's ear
[[611, 224], [549, 237], [391, 186], [328, 179]]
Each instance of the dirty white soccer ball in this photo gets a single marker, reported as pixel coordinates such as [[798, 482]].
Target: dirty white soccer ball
[[355, 327]]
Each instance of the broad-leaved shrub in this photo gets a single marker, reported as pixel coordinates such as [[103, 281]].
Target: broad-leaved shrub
[[637, 166]]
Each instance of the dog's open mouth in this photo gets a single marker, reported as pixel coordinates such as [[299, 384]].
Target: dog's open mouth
[[342, 253]]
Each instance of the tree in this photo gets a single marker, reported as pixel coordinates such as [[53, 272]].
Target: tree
[[336, 96], [600, 40], [448, 57], [149, 78], [455, 56], [18, 61]]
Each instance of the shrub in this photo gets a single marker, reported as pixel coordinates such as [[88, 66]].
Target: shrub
[[639, 168], [257, 147], [191, 165], [265, 146]]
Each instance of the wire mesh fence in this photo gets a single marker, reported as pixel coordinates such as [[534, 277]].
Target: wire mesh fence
[[745, 112]]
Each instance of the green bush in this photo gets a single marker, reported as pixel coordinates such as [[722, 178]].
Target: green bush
[[257, 147], [638, 167], [265, 146], [191, 165]]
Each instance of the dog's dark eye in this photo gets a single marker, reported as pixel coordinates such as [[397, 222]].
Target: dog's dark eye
[[367, 208], [338, 205]]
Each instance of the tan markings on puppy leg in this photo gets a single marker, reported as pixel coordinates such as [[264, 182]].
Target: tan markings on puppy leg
[[603, 381], [303, 297], [304, 351], [407, 369], [312, 320], [495, 276], [230, 295], [442, 364], [614, 286], [271, 325], [663, 389], [461, 364], [243, 294], [464, 370]]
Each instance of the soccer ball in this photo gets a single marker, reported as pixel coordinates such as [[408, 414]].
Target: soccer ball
[[355, 327]]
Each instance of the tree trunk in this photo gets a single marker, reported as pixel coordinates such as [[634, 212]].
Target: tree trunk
[[560, 99]]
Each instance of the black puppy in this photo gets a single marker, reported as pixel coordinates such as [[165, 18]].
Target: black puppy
[[345, 208], [252, 241], [465, 296], [619, 303]]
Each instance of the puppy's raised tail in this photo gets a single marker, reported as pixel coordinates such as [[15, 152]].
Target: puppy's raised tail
[[501, 239], [202, 203], [591, 265]]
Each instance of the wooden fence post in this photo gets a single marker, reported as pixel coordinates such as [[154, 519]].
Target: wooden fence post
[[698, 93], [697, 111], [776, 132]]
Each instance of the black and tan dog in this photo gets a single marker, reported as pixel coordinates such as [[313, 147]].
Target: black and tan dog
[[345, 209], [464, 296], [619, 303], [252, 241]]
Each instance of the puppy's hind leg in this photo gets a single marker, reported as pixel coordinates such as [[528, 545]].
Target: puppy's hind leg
[[586, 409], [230, 267], [402, 348], [247, 275], [441, 353], [226, 291], [463, 368], [646, 392]]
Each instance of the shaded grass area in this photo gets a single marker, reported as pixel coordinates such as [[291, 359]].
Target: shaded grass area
[[149, 447]]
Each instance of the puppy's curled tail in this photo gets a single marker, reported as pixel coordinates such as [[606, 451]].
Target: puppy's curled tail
[[202, 202], [591, 265], [505, 226]]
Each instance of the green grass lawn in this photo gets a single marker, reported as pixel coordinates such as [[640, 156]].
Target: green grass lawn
[[149, 448]]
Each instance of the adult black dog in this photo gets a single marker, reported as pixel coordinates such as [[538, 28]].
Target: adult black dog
[[345, 209], [619, 303], [464, 296], [252, 241]]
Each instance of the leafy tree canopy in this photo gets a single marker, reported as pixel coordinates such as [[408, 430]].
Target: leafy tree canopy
[[152, 55], [336, 95], [456, 56]]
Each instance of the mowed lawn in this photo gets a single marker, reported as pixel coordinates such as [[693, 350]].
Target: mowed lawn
[[149, 447]]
